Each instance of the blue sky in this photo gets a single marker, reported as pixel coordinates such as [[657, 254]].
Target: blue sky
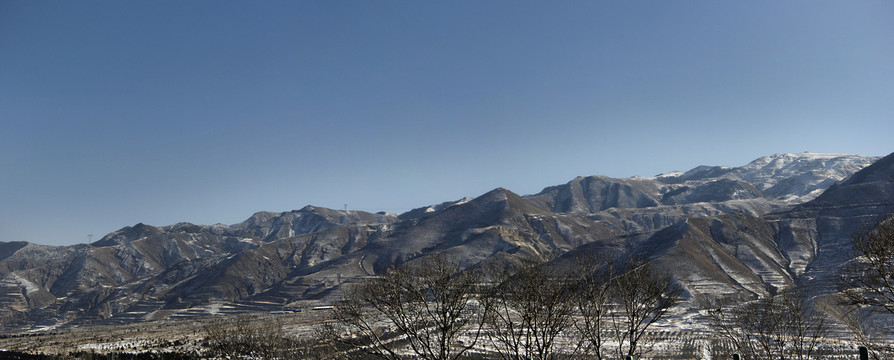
[[120, 112]]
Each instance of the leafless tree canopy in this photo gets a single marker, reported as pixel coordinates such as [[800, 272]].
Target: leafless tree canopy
[[425, 307], [779, 326], [870, 279], [868, 284], [240, 337], [532, 307], [532, 311], [594, 278], [644, 297]]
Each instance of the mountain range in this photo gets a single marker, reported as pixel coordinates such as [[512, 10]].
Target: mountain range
[[779, 221]]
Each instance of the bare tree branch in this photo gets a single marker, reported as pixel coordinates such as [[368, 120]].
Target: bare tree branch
[[425, 309]]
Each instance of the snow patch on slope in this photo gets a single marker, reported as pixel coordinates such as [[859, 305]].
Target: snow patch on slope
[[29, 286]]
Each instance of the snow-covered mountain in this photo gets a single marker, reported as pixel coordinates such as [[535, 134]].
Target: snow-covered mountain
[[721, 230], [789, 178], [799, 177]]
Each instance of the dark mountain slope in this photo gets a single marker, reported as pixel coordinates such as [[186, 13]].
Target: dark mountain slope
[[712, 227], [873, 185], [723, 255], [747, 255], [496, 222], [779, 180], [596, 193]]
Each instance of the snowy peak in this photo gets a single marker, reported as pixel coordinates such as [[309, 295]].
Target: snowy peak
[[802, 175], [871, 185], [881, 170], [792, 177], [425, 211], [707, 225], [783, 160], [778, 180]]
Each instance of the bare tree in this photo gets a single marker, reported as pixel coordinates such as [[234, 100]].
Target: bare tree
[[588, 304], [870, 279], [593, 279], [243, 336], [423, 308], [532, 307], [868, 283], [643, 297], [779, 326], [805, 326], [325, 343], [866, 330], [745, 326]]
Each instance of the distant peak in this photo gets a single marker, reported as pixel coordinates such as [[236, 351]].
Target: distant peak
[[881, 170], [127, 234], [500, 192], [675, 173], [807, 155]]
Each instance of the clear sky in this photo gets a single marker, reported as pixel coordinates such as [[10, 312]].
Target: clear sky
[[120, 112]]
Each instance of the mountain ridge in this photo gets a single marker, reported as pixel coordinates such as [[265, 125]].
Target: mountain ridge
[[733, 234]]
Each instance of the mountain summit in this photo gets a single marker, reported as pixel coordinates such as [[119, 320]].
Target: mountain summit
[[722, 231]]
